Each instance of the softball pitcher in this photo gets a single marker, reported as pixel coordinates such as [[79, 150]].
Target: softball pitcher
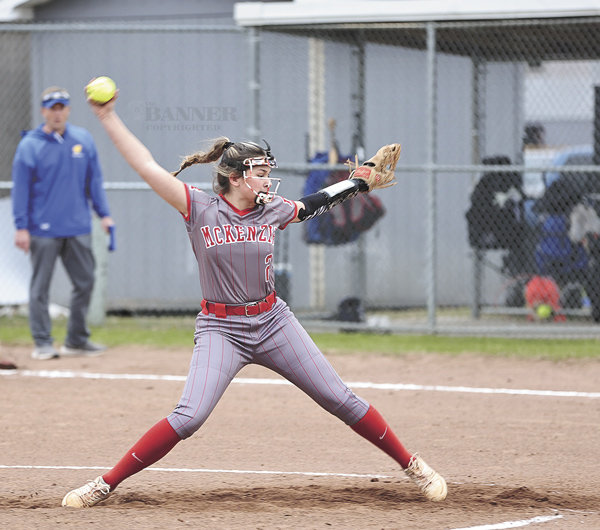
[[242, 320]]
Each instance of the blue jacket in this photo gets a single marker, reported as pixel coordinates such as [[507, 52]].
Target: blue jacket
[[54, 180]]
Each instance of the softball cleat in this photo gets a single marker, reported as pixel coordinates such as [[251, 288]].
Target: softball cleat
[[88, 495], [430, 482]]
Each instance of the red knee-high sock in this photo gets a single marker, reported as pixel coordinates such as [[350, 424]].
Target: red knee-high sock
[[150, 448], [374, 428]]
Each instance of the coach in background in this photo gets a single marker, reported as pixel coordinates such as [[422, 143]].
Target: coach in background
[[56, 176]]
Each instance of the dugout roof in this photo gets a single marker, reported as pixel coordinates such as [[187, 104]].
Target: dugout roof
[[498, 31], [353, 11]]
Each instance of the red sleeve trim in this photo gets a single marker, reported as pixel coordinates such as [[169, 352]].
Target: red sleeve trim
[[189, 203], [282, 227]]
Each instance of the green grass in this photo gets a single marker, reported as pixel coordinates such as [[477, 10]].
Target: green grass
[[178, 332], [556, 349], [116, 331]]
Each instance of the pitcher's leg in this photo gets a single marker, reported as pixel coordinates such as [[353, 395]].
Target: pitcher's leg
[[150, 448], [214, 364], [292, 353], [373, 427]]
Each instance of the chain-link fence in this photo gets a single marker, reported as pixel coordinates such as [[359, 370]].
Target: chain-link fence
[[495, 213]]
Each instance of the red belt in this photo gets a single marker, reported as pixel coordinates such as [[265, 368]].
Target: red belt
[[251, 309]]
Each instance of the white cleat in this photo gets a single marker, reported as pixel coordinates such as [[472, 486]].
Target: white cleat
[[88, 495], [430, 482]]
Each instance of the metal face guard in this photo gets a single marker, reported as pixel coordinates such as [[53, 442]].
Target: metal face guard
[[268, 161], [263, 197]]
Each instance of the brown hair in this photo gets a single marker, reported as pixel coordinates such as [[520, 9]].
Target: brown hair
[[231, 154]]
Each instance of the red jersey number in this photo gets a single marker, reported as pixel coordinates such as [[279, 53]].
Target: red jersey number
[[268, 267]]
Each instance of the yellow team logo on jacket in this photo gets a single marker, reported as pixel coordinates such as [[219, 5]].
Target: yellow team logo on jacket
[[77, 151]]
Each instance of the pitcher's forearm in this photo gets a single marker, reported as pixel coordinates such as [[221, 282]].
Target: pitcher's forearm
[[137, 155]]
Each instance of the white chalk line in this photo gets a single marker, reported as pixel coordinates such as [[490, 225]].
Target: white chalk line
[[513, 524], [189, 470], [61, 374]]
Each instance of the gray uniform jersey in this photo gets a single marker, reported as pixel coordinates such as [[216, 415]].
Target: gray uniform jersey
[[234, 250]]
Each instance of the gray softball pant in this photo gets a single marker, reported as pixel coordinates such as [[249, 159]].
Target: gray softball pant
[[274, 339]]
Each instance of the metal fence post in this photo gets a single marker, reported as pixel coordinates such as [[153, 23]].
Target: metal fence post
[[431, 178], [358, 145], [254, 84], [477, 148], [316, 143]]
